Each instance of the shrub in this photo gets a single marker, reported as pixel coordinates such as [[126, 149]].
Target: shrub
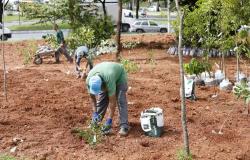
[[51, 40], [28, 53], [196, 67], [81, 36], [151, 58], [181, 155], [242, 91], [129, 65], [107, 46], [130, 44], [91, 136], [7, 157]]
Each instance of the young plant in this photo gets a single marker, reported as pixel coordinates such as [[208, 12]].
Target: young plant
[[242, 91], [193, 67], [181, 155], [51, 40], [130, 44], [151, 58], [129, 65], [28, 53], [92, 135], [196, 67]]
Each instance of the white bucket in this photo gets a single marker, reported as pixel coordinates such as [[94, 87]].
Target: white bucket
[[147, 115]]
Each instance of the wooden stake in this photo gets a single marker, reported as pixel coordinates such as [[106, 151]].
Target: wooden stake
[[4, 65]]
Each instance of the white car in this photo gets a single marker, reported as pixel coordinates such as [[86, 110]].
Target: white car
[[147, 26], [7, 33]]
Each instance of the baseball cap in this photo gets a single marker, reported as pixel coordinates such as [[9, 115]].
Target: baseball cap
[[95, 84]]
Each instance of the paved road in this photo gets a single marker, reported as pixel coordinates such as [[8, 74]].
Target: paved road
[[16, 23], [32, 35], [35, 35]]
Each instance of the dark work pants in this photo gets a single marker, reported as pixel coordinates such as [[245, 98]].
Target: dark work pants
[[62, 50], [103, 102]]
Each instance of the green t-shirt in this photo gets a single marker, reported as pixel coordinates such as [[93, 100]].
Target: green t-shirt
[[59, 37], [111, 73]]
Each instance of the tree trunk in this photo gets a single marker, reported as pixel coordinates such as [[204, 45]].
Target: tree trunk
[[165, 3], [118, 34], [3, 55], [158, 6], [183, 105], [223, 63], [238, 67], [104, 9], [1, 11], [168, 15], [130, 5], [137, 8], [2, 3]]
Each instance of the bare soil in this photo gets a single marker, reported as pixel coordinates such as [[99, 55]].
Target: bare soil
[[45, 102]]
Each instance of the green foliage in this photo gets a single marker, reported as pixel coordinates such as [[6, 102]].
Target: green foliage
[[91, 136], [182, 155], [7, 157], [81, 36], [151, 58], [44, 12], [88, 27], [243, 43], [51, 40], [103, 29], [196, 67], [130, 44], [28, 53], [210, 18], [242, 91], [129, 65], [107, 46]]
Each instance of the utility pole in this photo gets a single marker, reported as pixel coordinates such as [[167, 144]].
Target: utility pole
[[3, 56], [168, 3]]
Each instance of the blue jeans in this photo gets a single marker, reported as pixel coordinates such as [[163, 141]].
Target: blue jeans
[[103, 102]]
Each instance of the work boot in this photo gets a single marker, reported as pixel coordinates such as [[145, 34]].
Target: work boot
[[56, 62], [123, 131], [106, 129]]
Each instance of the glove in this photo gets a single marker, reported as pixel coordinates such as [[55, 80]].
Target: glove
[[96, 117], [107, 127], [108, 122]]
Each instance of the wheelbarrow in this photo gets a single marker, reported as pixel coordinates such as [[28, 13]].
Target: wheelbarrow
[[43, 52]]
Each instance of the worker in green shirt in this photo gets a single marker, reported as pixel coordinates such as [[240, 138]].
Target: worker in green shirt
[[62, 49], [107, 85]]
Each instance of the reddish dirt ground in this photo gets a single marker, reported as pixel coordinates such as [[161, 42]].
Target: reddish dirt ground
[[45, 104]]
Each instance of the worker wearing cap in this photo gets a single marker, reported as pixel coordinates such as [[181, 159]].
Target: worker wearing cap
[[62, 48], [107, 85], [82, 52]]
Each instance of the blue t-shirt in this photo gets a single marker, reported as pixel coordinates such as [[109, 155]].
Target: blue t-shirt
[[82, 51]]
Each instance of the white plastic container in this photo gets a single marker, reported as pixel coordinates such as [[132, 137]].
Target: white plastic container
[[219, 75], [152, 122]]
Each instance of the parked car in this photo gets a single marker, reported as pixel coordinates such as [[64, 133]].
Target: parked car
[[147, 26], [7, 33]]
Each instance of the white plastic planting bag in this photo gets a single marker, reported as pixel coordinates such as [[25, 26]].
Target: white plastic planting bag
[[241, 76], [219, 75], [205, 75], [226, 85], [210, 81], [188, 86]]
